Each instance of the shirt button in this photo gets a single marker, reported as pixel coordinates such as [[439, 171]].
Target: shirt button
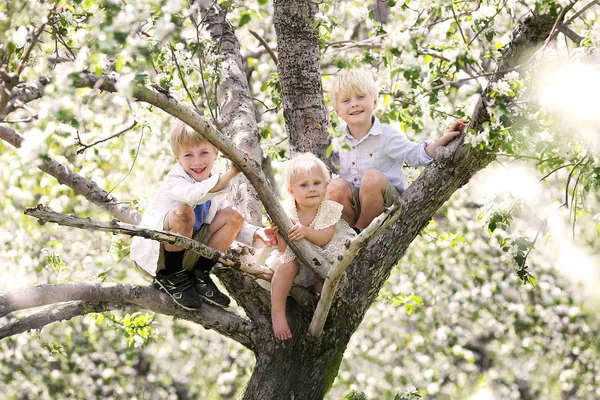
[[370, 154], [354, 147], [353, 163], [355, 179]]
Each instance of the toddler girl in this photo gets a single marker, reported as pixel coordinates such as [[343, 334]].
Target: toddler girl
[[313, 218]]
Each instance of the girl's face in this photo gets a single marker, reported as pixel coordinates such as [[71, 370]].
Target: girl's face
[[308, 188]]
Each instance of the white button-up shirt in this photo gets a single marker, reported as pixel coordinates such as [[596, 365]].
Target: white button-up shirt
[[384, 149], [176, 189]]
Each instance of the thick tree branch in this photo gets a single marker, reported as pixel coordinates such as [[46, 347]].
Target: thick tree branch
[[23, 94], [146, 297], [45, 214], [90, 190], [380, 223]]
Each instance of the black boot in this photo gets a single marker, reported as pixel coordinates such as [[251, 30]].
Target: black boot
[[204, 285]]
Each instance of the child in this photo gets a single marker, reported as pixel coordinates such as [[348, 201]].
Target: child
[[317, 220], [371, 170], [190, 201]]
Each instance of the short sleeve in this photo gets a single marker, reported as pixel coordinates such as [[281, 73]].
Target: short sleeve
[[329, 214]]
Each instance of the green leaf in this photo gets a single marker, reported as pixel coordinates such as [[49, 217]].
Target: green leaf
[[244, 19], [417, 300], [262, 2]]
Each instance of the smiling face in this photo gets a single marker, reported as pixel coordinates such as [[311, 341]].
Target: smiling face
[[308, 188], [356, 109], [197, 160]]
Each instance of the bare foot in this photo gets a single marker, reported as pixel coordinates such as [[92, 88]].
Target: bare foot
[[280, 326]]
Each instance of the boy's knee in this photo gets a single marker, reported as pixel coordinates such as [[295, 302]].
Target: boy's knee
[[234, 217], [372, 179], [183, 215], [338, 189]]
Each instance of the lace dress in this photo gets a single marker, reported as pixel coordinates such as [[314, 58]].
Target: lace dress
[[328, 214]]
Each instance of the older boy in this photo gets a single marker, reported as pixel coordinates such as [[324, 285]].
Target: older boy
[[190, 201], [371, 170]]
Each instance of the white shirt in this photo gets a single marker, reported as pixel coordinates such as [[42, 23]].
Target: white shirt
[[176, 189], [384, 149]]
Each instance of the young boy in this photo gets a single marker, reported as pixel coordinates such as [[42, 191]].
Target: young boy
[[190, 201], [371, 171]]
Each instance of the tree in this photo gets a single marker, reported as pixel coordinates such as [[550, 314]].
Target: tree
[[149, 57]]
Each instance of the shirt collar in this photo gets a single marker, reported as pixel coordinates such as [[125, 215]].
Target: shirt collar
[[375, 130]]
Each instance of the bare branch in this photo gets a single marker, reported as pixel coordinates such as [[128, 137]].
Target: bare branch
[[146, 297], [380, 223], [265, 45], [580, 12], [45, 214], [569, 33], [27, 53], [181, 77], [87, 146], [23, 94], [90, 190]]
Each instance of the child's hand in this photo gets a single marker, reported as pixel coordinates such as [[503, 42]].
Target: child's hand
[[268, 235], [455, 128], [298, 231]]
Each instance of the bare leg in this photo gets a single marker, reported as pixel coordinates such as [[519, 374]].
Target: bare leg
[[318, 287], [181, 220], [339, 190], [224, 228], [280, 288], [372, 188]]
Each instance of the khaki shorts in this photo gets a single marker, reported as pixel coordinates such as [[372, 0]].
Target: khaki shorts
[[388, 196], [189, 257]]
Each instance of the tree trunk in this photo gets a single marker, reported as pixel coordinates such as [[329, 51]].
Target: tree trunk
[[300, 76], [302, 368]]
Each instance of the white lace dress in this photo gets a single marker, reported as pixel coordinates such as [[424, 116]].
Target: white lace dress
[[328, 214]]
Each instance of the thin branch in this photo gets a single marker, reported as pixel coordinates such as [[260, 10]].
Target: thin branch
[[87, 146], [458, 25], [137, 152], [117, 294], [554, 170], [265, 45], [200, 56], [580, 12], [330, 285], [555, 26], [574, 201], [27, 53], [45, 214], [566, 203], [182, 78], [89, 189], [487, 23], [570, 34]]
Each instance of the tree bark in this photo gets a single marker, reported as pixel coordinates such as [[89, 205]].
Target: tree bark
[[304, 110]]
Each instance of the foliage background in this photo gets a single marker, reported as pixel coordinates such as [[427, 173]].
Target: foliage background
[[453, 320]]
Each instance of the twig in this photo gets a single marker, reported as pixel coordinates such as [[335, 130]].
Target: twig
[[87, 146], [182, 78], [574, 201], [330, 285], [27, 53], [487, 23], [554, 170], [137, 152], [552, 34], [566, 203], [458, 25], [580, 12], [265, 45], [200, 56]]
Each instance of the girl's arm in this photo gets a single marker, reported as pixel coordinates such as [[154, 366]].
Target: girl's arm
[[320, 237]]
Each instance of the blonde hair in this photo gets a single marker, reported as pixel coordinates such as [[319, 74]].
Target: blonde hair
[[352, 81], [303, 163], [184, 136]]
